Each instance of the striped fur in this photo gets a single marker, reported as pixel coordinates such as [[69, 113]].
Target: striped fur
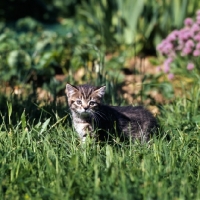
[[92, 118]]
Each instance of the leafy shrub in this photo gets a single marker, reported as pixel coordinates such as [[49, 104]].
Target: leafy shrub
[[140, 23], [25, 50], [32, 52]]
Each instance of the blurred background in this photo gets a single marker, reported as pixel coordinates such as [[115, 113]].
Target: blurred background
[[46, 43]]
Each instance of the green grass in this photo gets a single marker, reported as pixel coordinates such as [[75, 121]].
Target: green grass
[[43, 159]]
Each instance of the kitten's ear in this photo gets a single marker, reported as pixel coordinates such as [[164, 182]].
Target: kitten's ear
[[70, 90], [101, 91]]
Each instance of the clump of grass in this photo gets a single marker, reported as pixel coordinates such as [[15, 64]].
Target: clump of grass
[[45, 160]]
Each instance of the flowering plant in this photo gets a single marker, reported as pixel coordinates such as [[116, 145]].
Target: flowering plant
[[183, 46]]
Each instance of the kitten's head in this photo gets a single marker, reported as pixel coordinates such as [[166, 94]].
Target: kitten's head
[[84, 99]]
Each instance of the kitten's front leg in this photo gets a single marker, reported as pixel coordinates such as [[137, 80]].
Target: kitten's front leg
[[87, 130], [84, 129]]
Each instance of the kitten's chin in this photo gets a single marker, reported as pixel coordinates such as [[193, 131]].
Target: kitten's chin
[[85, 114]]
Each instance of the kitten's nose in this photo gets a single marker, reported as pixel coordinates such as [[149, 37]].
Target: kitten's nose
[[85, 108]]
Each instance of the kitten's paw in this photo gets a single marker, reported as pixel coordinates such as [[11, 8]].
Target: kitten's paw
[[83, 139]]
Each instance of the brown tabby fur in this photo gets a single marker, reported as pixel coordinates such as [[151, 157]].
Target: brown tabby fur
[[102, 122]]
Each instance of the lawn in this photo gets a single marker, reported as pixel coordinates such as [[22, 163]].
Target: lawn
[[43, 158]]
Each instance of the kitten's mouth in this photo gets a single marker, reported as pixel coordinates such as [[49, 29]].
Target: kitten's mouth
[[85, 114]]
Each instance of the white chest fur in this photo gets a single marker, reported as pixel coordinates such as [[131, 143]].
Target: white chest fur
[[82, 128]]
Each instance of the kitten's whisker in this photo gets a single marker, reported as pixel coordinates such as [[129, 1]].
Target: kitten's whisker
[[98, 115], [95, 118], [102, 115]]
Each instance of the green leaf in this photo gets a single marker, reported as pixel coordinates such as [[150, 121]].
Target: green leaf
[[109, 156], [44, 125], [19, 58], [23, 120], [9, 105], [196, 118]]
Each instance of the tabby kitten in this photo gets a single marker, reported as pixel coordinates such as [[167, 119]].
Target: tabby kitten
[[102, 122]]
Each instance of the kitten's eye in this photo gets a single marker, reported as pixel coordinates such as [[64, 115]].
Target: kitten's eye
[[79, 102], [92, 103]]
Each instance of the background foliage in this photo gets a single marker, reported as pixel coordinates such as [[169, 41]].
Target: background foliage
[[60, 37]]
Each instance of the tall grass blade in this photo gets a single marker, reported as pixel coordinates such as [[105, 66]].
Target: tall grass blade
[[44, 126]]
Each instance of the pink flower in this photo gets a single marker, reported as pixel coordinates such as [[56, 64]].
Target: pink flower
[[183, 42], [175, 32], [167, 47], [180, 45], [198, 12], [185, 34], [159, 47], [166, 68], [172, 36], [189, 44], [170, 76], [197, 37], [195, 28], [190, 66], [188, 22], [168, 60], [172, 54], [164, 47], [167, 63], [198, 45], [198, 19], [186, 51], [196, 52]]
